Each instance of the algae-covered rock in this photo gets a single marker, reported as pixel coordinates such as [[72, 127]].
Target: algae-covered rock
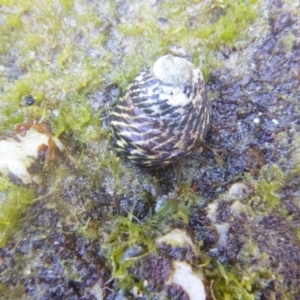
[[90, 230]]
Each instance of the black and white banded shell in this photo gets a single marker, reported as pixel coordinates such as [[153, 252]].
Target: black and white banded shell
[[163, 114]]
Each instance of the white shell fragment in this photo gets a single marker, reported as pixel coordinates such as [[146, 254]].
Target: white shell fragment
[[189, 280], [182, 273], [16, 157], [176, 237], [238, 190]]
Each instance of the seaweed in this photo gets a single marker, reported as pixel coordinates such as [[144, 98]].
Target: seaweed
[[14, 201]]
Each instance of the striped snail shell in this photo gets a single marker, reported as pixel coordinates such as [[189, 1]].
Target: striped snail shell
[[163, 114]]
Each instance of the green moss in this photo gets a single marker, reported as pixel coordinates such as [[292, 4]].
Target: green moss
[[126, 234], [16, 201], [14, 21], [15, 112], [151, 44], [90, 230], [226, 284], [53, 39], [64, 56], [32, 41], [131, 29], [288, 41], [267, 188], [266, 191], [226, 27], [74, 114], [171, 211], [233, 18], [40, 37], [297, 232], [66, 4], [295, 157], [2, 288], [128, 69]]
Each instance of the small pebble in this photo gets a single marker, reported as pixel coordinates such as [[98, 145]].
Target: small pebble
[[29, 100], [256, 120]]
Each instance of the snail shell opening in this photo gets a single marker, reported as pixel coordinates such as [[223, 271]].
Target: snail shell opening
[[163, 113]]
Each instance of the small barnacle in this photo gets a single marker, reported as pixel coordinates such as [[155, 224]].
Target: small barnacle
[[164, 113], [31, 142]]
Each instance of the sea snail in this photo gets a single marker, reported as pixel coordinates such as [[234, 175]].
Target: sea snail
[[163, 114]]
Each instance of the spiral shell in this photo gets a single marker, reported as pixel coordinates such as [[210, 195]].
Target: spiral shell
[[163, 114]]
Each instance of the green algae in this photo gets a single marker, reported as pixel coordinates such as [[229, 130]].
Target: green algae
[[295, 157], [227, 286], [42, 37], [16, 202], [74, 70], [125, 235], [267, 188], [66, 4], [232, 282], [76, 113], [288, 41], [154, 40]]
